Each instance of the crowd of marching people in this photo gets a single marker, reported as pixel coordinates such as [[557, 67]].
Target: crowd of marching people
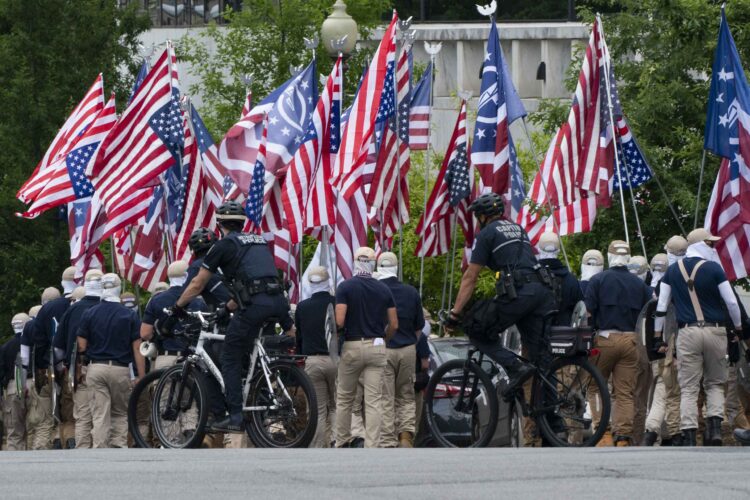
[[670, 338]]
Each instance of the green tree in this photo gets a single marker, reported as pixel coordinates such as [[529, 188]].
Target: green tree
[[51, 53]]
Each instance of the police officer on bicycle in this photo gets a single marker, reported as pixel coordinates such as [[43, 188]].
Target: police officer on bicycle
[[524, 292], [249, 270]]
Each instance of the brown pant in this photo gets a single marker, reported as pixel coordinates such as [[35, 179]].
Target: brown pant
[[83, 400], [367, 358], [738, 402], [111, 389], [399, 407], [322, 373], [643, 385], [40, 424], [66, 427], [14, 418], [618, 356]]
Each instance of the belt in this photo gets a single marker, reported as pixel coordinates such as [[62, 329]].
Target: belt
[[109, 362], [170, 353], [605, 333], [363, 339], [704, 324], [317, 354]]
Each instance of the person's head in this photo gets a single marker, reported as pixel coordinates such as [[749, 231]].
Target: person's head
[[701, 244], [231, 217], [487, 208], [78, 294], [638, 265], [111, 287], [50, 293], [34, 311], [659, 265], [319, 279], [364, 261], [618, 254], [548, 246], [387, 265], [592, 263], [68, 281], [177, 273], [128, 300], [92, 283], [159, 287], [18, 322], [201, 241], [676, 247]]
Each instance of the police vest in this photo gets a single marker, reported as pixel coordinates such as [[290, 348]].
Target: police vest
[[253, 259]]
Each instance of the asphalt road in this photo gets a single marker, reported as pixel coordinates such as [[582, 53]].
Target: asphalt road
[[378, 474]]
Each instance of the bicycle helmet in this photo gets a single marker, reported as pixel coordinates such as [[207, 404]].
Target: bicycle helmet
[[489, 204], [230, 210], [201, 241]]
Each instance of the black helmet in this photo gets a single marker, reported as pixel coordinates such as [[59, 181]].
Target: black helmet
[[201, 240], [488, 204], [230, 210]]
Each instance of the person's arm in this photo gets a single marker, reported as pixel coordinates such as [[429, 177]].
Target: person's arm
[[140, 361], [665, 295], [340, 315], [147, 331], [468, 283], [392, 323], [83, 344], [727, 294], [419, 320], [425, 363], [591, 298], [194, 288]]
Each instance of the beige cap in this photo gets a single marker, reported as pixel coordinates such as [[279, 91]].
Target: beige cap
[[177, 269], [159, 287], [93, 274], [593, 257], [318, 274], [387, 259], [638, 264], [700, 234], [619, 247], [676, 245], [78, 293], [34, 311], [20, 319], [111, 280], [659, 262], [69, 274], [549, 242], [50, 293], [364, 253]]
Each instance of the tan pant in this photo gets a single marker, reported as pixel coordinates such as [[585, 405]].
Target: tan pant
[[399, 408], [643, 385], [235, 440], [66, 428], [618, 356], [738, 402], [322, 373], [358, 410], [14, 419], [40, 424], [83, 400], [111, 389], [360, 357], [163, 361], [701, 353], [665, 405]]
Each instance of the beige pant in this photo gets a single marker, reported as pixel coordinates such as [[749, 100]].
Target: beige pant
[[322, 373], [360, 357], [618, 356], [665, 405], [14, 419], [358, 411], [163, 361], [643, 385], [738, 402], [66, 428], [399, 408], [83, 400], [235, 440], [40, 424], [701, 353], [111, 389]]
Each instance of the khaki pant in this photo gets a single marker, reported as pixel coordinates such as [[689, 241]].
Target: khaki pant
[[360, 357], [618, 356], [322, 373], [83, 400], [399, 408], [738, 402], [14, 418], [66, 428], [701, 353], [235, 440], [163, 361], [40, 424], [665, 405], [358, 410], [643, 385], [111, 389]]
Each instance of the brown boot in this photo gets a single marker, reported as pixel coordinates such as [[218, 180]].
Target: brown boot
[[605, 441], [622, 441], [406, 440]]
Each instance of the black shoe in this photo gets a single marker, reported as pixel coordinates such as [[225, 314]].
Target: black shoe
[[517, 375], [70, 443], [669, 442], [742, 436], [713, 432], [649, 438], [229, 424], [357, 442], [689, 437], [56, 444], [675, 440]]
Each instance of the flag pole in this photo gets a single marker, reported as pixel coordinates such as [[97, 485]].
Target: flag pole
[[700, 185], [337, 45], [453, 257], [135, 283], [632, 198], [432, 49], [406, 38]]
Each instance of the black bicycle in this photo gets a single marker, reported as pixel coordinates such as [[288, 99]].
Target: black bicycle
[[570, 402], [140, 423]]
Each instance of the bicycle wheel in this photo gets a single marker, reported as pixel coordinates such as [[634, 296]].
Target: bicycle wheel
[[293, 422], [568, 401], [461, 405], [139, 411], [180, 407]]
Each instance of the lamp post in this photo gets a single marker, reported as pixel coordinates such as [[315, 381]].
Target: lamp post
[[336, 26]]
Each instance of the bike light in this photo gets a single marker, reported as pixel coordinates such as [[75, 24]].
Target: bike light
[[593, 352], [443, 391]]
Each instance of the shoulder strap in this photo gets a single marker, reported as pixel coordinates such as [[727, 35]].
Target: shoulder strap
[[690, 281]]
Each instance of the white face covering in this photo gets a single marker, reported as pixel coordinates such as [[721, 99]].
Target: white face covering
[[363, 267], [323, 286], [702, 250], [672, 258], [111, 294], [68, 287], [616, 260], [387, 272], [17, 328], [177, 281], [547, 255], [656, 277], [93, 288], [589, 271]]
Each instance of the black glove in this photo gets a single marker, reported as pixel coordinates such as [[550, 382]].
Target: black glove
[[449, 319], [658, 344], [223, 315], [733, 348], [165, 326], [177, 312]]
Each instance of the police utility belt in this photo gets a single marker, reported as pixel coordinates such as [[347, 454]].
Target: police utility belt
[[244, 290], [507, 282]]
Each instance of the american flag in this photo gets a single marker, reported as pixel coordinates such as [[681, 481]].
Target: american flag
[[351, 231], [727, 126], [359, 128], [142, 72], [633, 165], [213, 170], [577, 168], [149, 257], [498, 107], [419, 112], [145, 142], [286, 257], [254, 203], [77, 212], [66, 179], [79, 120]]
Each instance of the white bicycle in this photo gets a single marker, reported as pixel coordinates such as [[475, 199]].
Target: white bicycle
[[280, 408]]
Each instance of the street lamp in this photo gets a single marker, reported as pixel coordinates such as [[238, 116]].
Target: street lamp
[[336, 26]]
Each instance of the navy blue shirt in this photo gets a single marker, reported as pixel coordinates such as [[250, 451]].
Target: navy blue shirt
[[570, 293], [215, 292], [68, 329], [409, 312], [110, 329], [155, 311], [367, 302], [615, 298], [707, 281], [45, 327], [8, 355], [310, 321]]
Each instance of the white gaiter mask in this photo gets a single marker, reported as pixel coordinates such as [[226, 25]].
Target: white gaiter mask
[[385, 272], [93, 288], [589, 271], [68, 287], [178, 281], [672, 258], [323, 286], [616, 260], [363, 267], [656, 277], [111, 294]]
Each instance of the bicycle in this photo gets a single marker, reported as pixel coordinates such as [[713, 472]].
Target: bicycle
[[462, 400], [280, 407], [139, 410]]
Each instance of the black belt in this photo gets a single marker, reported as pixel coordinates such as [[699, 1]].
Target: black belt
[[169, 353], [710, 324], [109, 362]]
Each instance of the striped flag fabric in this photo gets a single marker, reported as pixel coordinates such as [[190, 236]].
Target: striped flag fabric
[[79, 120], [77, 212], [359, 128], [634, 169], [255, 196], [351, 231], [214, 173], [286, 258], [419, 112]]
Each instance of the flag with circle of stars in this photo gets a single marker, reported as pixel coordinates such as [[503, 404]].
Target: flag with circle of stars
[[457, 176], [517, 183], [634, 169], [76, 162]]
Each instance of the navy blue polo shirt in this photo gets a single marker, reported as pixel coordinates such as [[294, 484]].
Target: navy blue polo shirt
[[615, 298], [155, 311], [367, 302], [44, 329], [409, 311], [68, 329], [110, 329], [707, 281]]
